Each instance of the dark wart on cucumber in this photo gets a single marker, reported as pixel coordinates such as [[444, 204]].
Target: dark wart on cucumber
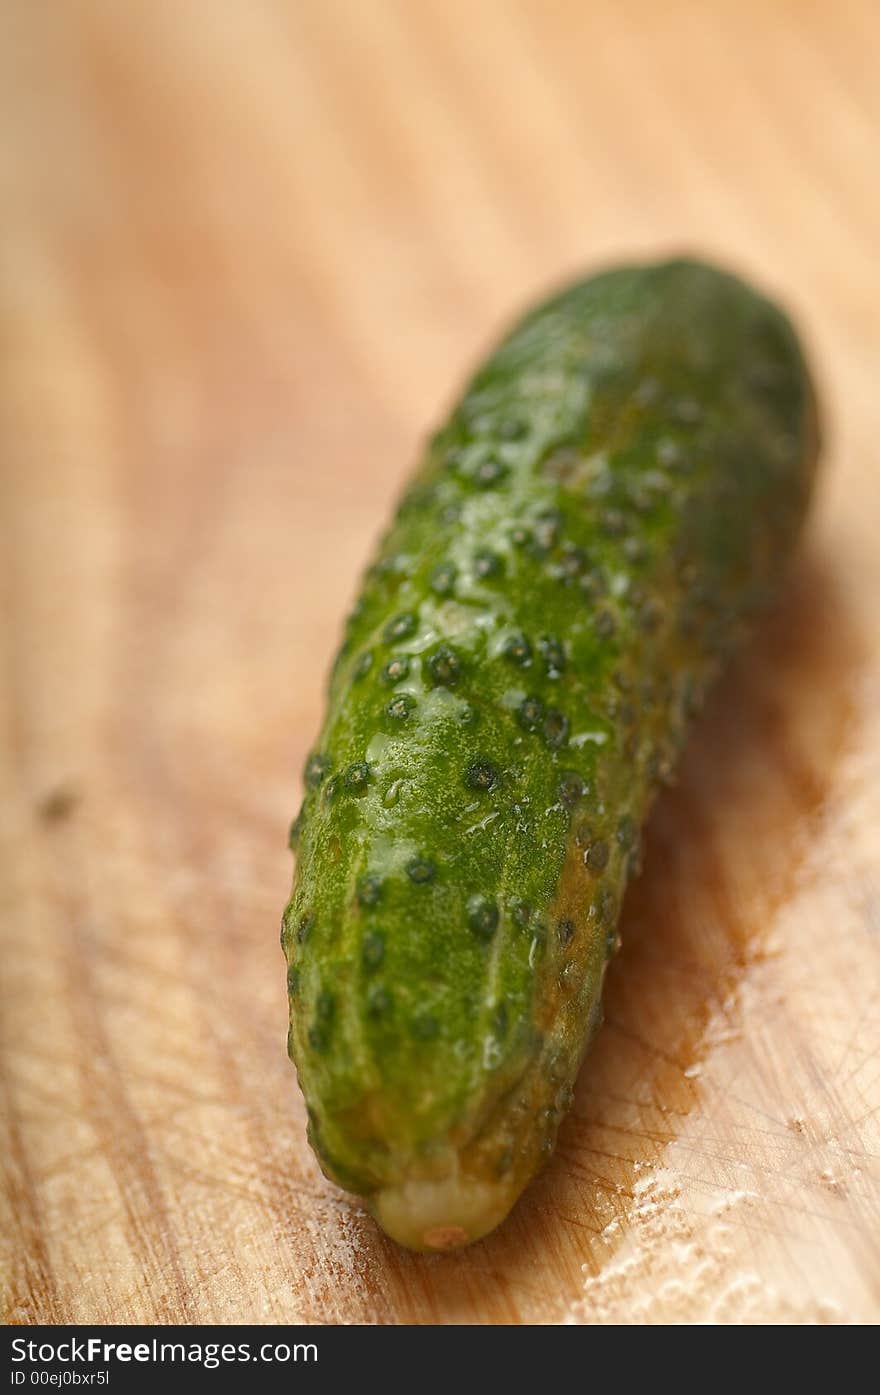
[[617, 492]]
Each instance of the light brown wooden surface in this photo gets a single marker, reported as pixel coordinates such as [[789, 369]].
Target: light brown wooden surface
[[249, 251]]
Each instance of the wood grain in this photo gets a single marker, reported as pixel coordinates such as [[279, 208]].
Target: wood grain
[[249, 251]]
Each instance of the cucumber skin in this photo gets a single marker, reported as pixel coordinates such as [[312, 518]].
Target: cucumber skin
[[617, 491]]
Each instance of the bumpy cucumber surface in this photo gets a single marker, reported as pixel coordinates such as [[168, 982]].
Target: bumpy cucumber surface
[[615, 494]]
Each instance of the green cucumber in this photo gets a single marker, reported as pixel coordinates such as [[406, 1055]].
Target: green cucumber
[[617, 492]]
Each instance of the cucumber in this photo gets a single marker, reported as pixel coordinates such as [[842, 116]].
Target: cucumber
[[616, 493]]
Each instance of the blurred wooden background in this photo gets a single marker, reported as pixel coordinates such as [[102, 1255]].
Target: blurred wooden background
[[249, 251]]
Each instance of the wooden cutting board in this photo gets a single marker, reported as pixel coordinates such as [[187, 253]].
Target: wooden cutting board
[[249, 252]]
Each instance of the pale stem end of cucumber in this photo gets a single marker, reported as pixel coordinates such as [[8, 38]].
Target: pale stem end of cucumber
[[436, 1214]]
